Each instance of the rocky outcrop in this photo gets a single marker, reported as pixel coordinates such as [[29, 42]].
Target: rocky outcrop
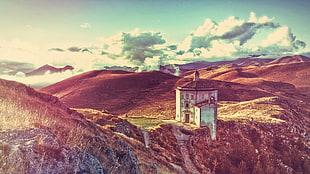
[[38, 151]]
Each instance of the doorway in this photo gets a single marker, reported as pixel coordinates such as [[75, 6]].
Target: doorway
[[186, 118]]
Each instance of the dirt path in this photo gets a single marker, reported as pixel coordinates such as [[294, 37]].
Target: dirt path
[[146, 136], [182, 138]]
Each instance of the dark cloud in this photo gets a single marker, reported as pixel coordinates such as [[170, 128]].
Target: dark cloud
[[233, 38], [12, 68], [140, 46], [74, 49], [56, 49], [300, 44], [86, 50], [242, 33], [172, 47]]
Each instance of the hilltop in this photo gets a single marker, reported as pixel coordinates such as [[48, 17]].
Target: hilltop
[[114, 91], [149, 94]]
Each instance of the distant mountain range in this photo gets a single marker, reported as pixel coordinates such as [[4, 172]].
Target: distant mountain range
[[48, 69], [241, 62]]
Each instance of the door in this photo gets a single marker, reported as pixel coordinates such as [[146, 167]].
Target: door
[[186, 118]]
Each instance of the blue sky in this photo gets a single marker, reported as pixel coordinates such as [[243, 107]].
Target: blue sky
[[40, 21]]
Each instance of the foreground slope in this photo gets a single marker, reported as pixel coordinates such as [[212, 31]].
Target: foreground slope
[[39, 134]]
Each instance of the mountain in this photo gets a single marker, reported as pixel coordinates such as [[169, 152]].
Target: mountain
[[113, 90], [293, 73], [290, 59], [48, 68], [264, 132], [142, 94], [241, 62]]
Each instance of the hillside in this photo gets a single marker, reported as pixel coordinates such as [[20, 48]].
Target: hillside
[[290, 59], [296, 74], [40, 135], [148, 94], [113, 91]]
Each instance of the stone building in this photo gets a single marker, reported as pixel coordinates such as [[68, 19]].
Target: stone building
[[197, 103]]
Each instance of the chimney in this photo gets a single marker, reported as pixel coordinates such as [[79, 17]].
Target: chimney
[[196, 76]]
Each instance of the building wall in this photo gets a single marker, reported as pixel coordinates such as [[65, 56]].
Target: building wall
[[208, 117], [178, 105], [185, 103], [197, 116], [205, 115]]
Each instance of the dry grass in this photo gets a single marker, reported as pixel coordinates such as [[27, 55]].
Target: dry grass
[[258, 110], [92, 114], [143, 122], [16, 114]]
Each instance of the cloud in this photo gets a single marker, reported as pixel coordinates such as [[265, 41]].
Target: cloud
[[41, 80], [12, 67], [74, 49], [85, 25], [56, 49], [147, 50], [233, 38], [283, 38], [135, 46]]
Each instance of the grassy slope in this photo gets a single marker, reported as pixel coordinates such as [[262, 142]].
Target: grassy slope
[[22, 108]]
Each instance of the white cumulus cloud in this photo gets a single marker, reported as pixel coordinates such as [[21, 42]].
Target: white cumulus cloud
[[233, 38]]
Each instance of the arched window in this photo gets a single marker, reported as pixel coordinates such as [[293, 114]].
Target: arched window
[[186, 105], [212, 100]]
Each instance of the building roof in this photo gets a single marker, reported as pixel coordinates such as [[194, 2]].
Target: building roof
[[198, 85]]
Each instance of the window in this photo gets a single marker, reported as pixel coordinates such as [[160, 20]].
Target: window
[[187, 105], [186, 96], [212, 100], [192, 97], [182, 96]]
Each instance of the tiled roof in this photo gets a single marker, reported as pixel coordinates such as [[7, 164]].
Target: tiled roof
[[201, 84]]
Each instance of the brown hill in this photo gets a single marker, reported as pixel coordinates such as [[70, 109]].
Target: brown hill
[[260, 135], [290, 59], [114, 91], [150, 94], [293, 73]]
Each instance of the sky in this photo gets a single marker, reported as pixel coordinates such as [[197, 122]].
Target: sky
[[90, 34]]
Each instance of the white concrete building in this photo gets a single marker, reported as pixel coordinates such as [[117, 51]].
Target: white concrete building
[[197, 103]]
